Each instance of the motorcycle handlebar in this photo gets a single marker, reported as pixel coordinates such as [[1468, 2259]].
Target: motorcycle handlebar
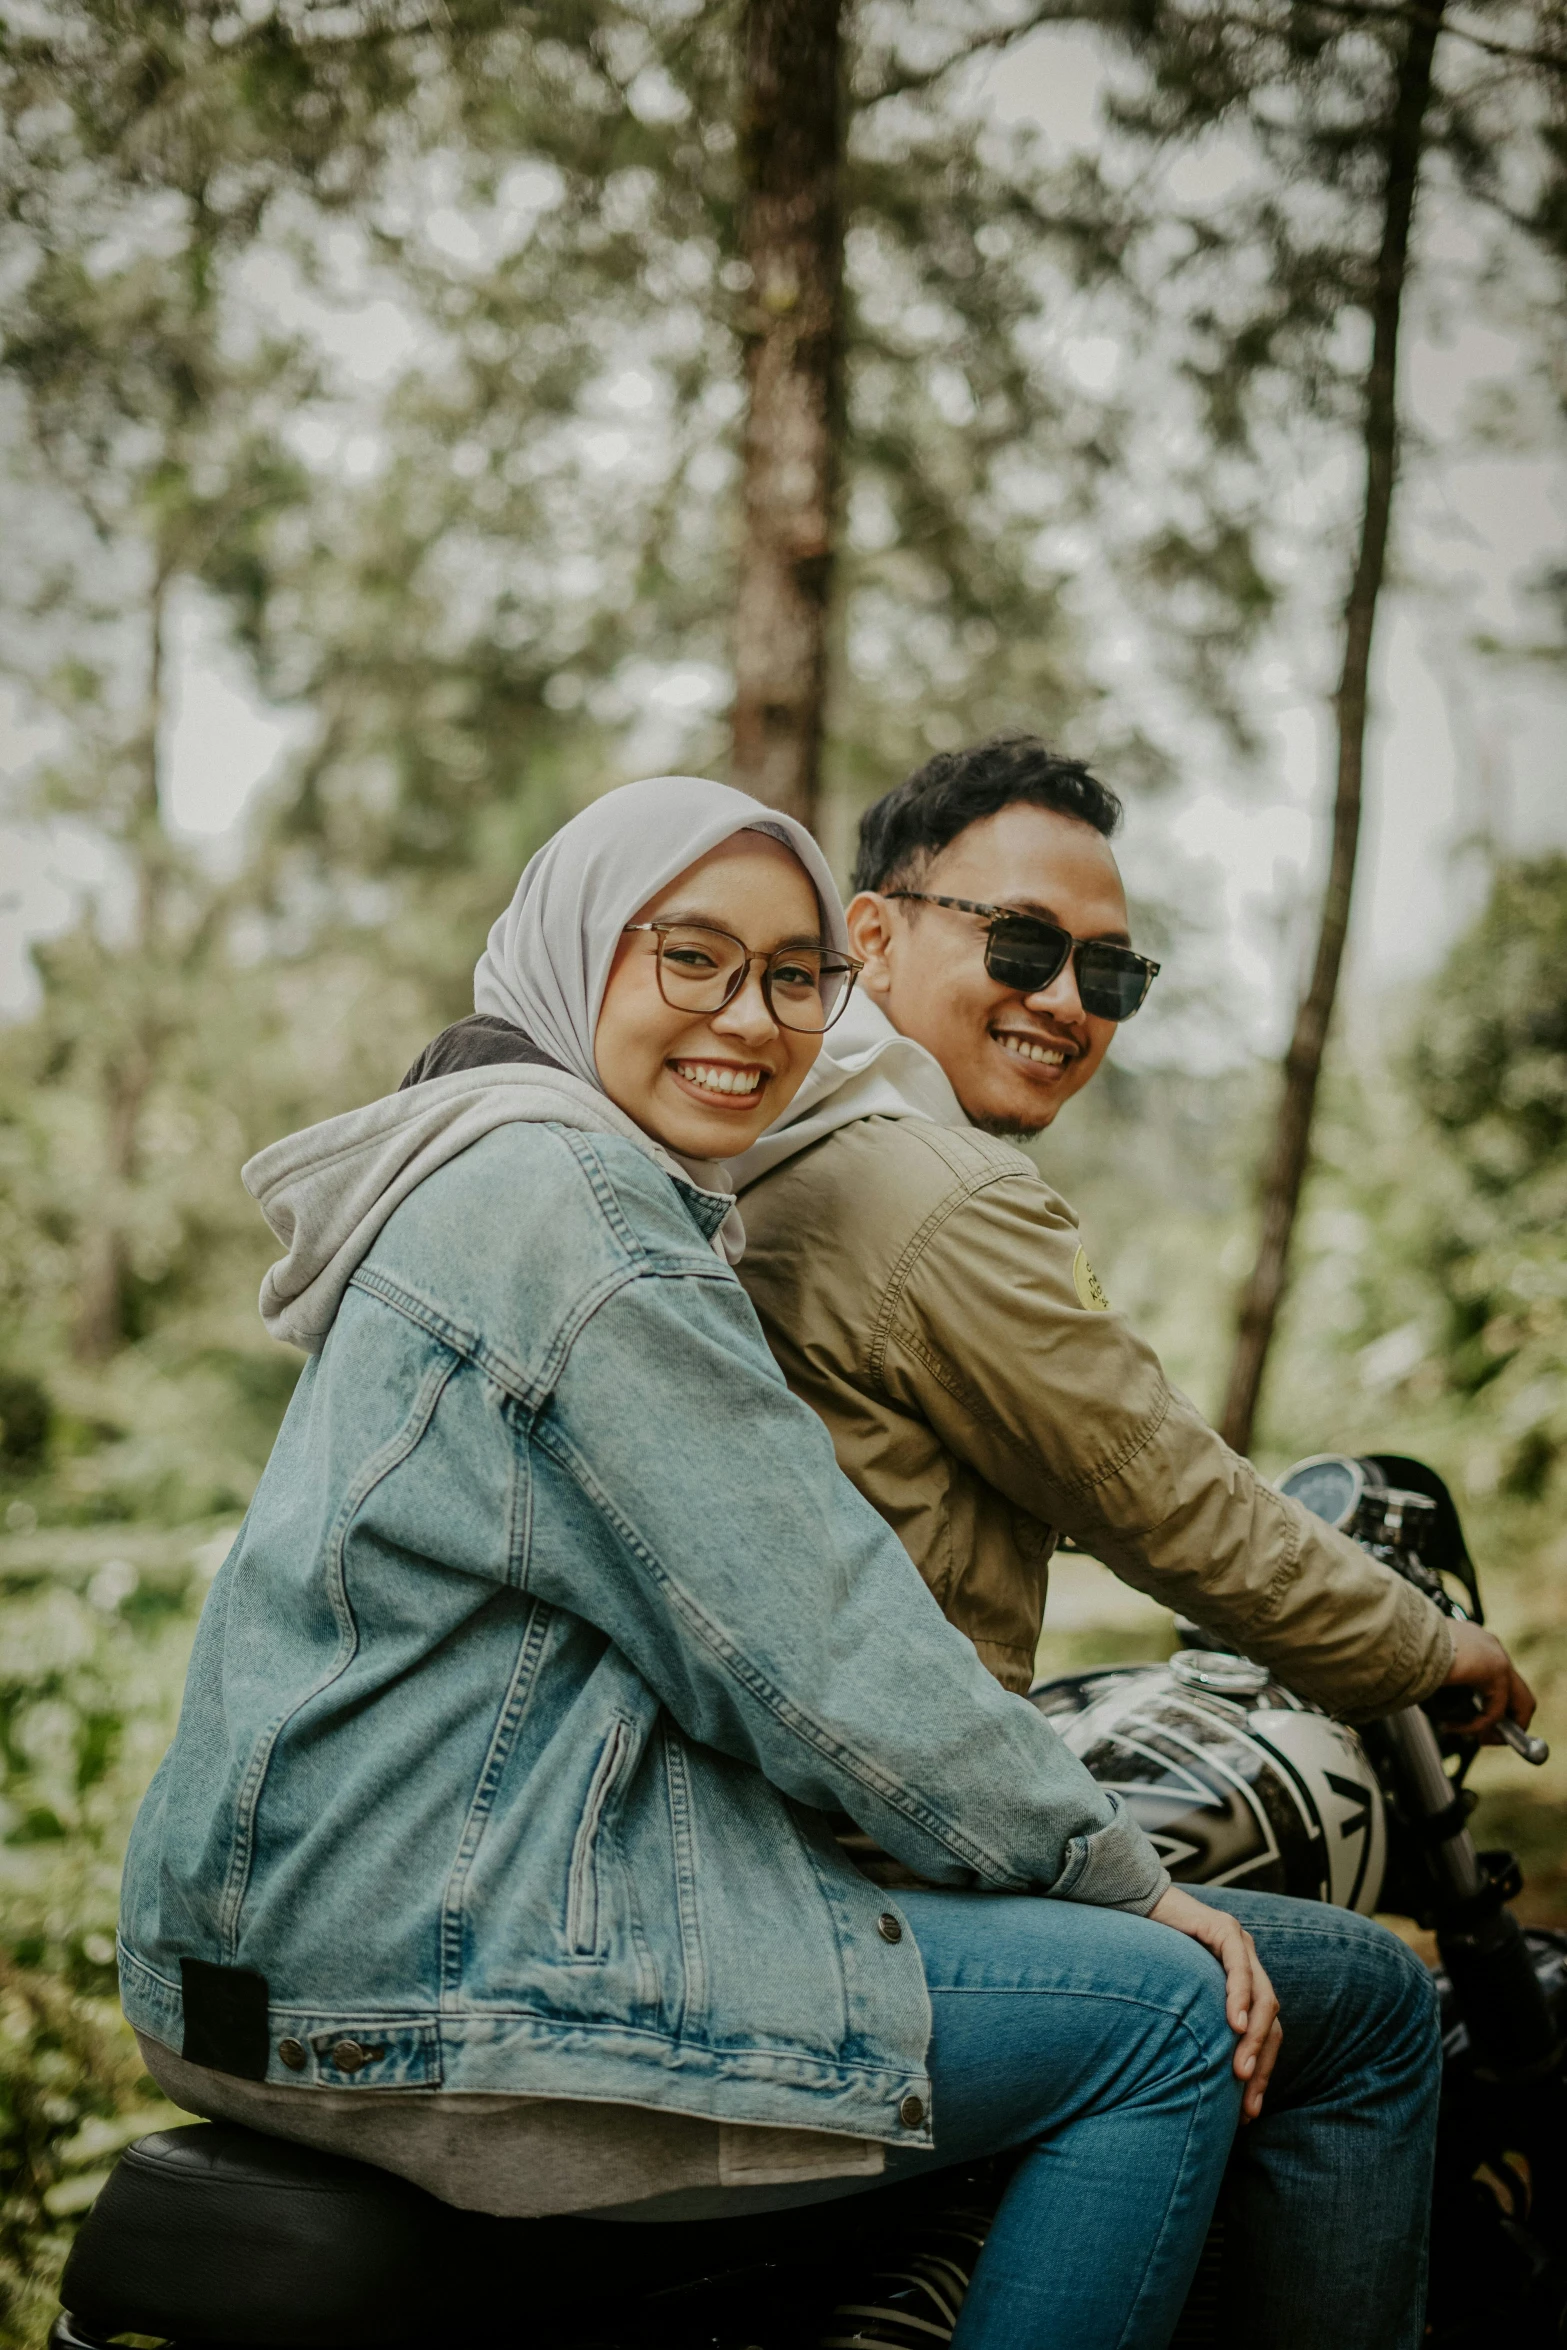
[[1534, 1750]]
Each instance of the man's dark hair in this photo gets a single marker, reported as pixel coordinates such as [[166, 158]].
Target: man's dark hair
[[909, 825]]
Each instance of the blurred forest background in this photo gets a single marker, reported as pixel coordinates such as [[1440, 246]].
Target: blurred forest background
[[390, 360]]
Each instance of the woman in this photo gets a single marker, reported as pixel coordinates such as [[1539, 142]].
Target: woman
[[494, 1844]]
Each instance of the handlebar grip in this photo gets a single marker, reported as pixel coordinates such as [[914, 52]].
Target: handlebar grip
[[1534, 1750]]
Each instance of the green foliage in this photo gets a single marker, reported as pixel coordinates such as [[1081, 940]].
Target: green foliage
[[1491, 1062], [1429, 1315], [96, 1637], [1490, 1067], [26, 1417], [71, 2095], [476, 613], [1428, 1310]]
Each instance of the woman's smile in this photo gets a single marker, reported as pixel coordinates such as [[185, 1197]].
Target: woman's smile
[[739, 1081]]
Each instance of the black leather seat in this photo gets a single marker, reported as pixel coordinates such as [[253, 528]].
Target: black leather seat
[[216, 2235]]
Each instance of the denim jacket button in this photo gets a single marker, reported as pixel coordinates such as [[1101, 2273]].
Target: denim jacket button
[[912, 2111], [293, 2054], [348, 2056], [890, 1928]]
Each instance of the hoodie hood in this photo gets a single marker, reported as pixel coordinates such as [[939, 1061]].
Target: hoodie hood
[[866, 1070], [328, 1190]]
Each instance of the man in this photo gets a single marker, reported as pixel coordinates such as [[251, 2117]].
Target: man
[[928, 1294]]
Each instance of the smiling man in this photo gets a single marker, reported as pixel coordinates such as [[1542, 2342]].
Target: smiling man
[[1011, 1025], [924, 1289]]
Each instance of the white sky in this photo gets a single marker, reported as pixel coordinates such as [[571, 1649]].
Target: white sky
[[1458, 745]]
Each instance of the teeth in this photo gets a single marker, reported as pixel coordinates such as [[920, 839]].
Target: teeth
[[1026, 1050], [720, 1077]]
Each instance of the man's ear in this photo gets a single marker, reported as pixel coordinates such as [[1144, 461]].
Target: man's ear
[[870, 937]]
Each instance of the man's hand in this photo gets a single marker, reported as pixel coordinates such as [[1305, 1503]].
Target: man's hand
[[1481, 1663], [1250, 2005]]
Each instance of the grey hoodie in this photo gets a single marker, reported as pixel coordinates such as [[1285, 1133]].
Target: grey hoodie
[[328, 1190]]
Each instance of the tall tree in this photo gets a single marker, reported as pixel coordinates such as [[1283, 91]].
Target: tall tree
[[791, 246], [1282, 303], [146, 444], [149, 464], [542, 584], [1401, 139]]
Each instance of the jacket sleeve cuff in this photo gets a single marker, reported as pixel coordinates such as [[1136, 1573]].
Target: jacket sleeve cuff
[[1421, 1663], [1113, 1868], [1436, 1663]]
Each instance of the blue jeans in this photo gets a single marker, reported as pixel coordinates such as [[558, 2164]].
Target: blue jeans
[[1098, 2045]]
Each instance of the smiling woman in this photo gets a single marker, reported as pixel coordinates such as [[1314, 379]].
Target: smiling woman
[[703, 1038], [698, 1010]]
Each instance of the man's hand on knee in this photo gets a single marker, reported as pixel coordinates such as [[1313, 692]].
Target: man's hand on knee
[[1250, 2002]]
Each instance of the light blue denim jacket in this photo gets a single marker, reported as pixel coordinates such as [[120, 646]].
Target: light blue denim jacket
[[552, 1635]]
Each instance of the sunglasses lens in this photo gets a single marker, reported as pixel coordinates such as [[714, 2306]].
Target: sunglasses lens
[[1026, 955], [1112, 981]]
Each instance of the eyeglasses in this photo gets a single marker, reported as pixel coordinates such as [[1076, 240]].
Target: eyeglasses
[[701, 969], [1026, 952]]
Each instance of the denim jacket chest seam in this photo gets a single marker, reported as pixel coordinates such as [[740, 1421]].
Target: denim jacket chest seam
[[495, 1361], [607, 1199], [471, 1346], [466, 1344]]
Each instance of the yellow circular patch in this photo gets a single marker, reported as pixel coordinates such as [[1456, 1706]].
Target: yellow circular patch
[[1086, 1282]]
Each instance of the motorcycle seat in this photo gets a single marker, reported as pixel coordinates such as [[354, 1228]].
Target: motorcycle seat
[[219, 2234], [213, 2234]]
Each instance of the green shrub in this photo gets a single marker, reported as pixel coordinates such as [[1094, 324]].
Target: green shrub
[[95, 1630], [72, 2093], [26, 1419]]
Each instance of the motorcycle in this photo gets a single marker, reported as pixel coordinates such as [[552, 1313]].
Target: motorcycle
[[1239, 1782], [213, 2234]]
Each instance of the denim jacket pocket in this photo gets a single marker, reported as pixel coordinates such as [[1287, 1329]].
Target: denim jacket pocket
[[584, 1882]]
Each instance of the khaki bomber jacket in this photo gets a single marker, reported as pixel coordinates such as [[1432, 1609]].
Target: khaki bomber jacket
[[925, 1291]]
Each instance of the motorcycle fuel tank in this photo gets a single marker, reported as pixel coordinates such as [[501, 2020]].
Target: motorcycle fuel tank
[[1236, 1781]]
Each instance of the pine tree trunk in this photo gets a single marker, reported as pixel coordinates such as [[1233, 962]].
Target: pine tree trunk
[[1290, 1151], [126, 1075], [100, 1327], [792, 240]]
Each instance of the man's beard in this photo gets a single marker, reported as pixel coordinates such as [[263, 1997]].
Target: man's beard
[[1008, 1129]]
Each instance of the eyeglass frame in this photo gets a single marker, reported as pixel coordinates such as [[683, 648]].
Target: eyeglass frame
[[854, 965], [996, 915]]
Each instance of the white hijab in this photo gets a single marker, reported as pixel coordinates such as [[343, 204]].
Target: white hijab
[[327, 1192], [547, 962]]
